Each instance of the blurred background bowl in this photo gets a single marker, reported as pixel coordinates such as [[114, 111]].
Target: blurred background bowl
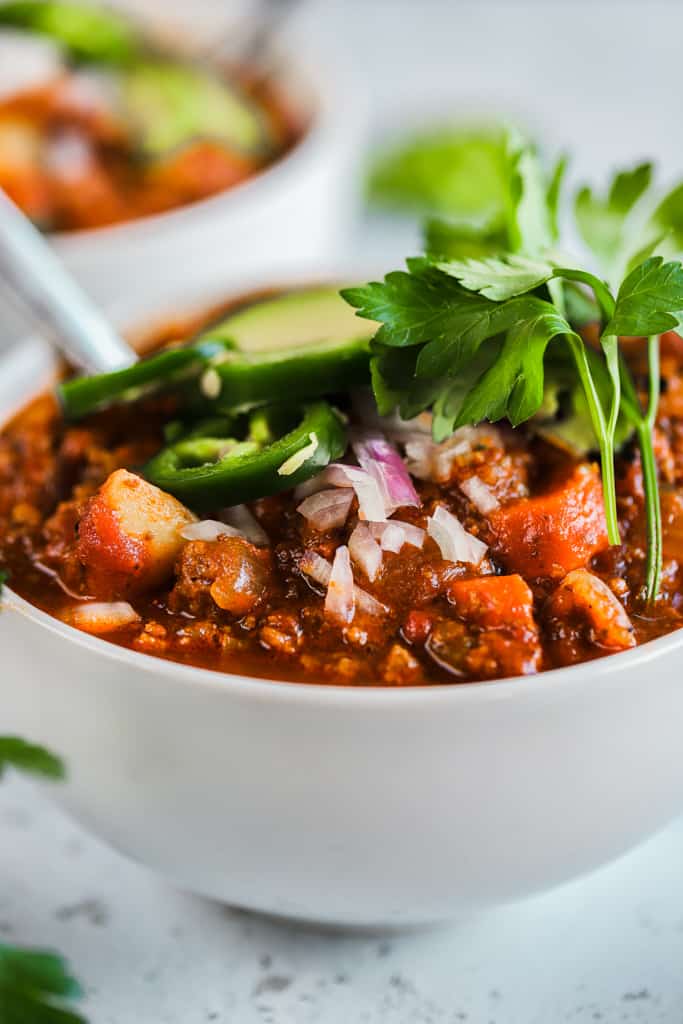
[[292, 214]]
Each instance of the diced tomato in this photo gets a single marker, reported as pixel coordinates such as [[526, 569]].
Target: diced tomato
[[552, 533]]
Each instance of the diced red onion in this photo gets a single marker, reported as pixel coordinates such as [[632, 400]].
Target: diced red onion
[[26, 62], [393, 538], [332, 476], [427, 460], [480, 494], [69, 156], [365, 551], [455, 543], [370, 499], [394, 534], [102, 616], [317, 567], [381, 460], [208, 530], [340, 600], [327, 509], [320, 570], [243, 519]]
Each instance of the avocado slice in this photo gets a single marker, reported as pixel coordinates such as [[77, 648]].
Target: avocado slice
[[169, 104], [85, 32], [293, 320]]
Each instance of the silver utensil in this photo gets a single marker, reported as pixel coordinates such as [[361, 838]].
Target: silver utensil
[[34, 276], [251, 46]]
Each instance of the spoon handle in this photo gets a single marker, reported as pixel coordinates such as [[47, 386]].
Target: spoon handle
[[33, 273]]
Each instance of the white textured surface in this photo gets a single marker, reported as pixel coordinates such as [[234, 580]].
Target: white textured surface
[[606, 78]]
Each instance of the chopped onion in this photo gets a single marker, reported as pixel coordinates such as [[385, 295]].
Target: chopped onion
[[340, 600], [320, 570], [102, 616], [208, 530], [332, 476], [69, 156], [370, 500], [243, 519], [414, 535], [365, 551], [317, 567], [455, 543], [210, 383], [381, 460], [327, 509], [480, 494], [393, 538], [395, 533], [26, 62], [427, 460]]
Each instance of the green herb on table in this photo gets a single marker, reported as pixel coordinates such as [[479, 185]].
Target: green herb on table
[[36, 988], [29, 758], [35, 985]]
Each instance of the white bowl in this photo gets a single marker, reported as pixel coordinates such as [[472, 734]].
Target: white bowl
[[348, 806], [294, 212]]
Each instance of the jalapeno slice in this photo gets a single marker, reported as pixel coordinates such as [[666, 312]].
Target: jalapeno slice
[[84, 395], [242, 380], [300, 345], [209, 472]]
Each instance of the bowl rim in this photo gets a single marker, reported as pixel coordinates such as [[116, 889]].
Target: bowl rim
[[33, 355], [543, 685], [327, 114]]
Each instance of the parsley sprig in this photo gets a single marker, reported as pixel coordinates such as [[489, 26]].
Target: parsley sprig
[[475, 334], [35, 984]]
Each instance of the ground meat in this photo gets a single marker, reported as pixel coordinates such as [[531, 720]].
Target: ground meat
[[229, 573]]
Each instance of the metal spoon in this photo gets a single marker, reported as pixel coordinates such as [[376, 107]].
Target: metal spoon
[[34, 276], [252, 46]]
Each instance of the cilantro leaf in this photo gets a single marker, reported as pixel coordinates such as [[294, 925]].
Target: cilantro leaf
[[554, 194], [602, 221], [445, 355], [513, 386], [27, 757], [667, 218], [454, 171], [4, 576], [420, 305], [530, 221], [35, 986], [498, 278], [649, 299], [458, 240]]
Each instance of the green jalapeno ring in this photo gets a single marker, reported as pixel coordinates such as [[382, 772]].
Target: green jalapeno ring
[[84, 395], [325, 368], [245, 473]]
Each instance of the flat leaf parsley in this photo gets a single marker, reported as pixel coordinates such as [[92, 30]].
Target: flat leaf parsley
[[483, 325]]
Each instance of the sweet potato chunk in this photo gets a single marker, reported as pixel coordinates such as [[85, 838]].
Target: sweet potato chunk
[[494, 602], [129, 536], [553, 533], [583, 614]]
